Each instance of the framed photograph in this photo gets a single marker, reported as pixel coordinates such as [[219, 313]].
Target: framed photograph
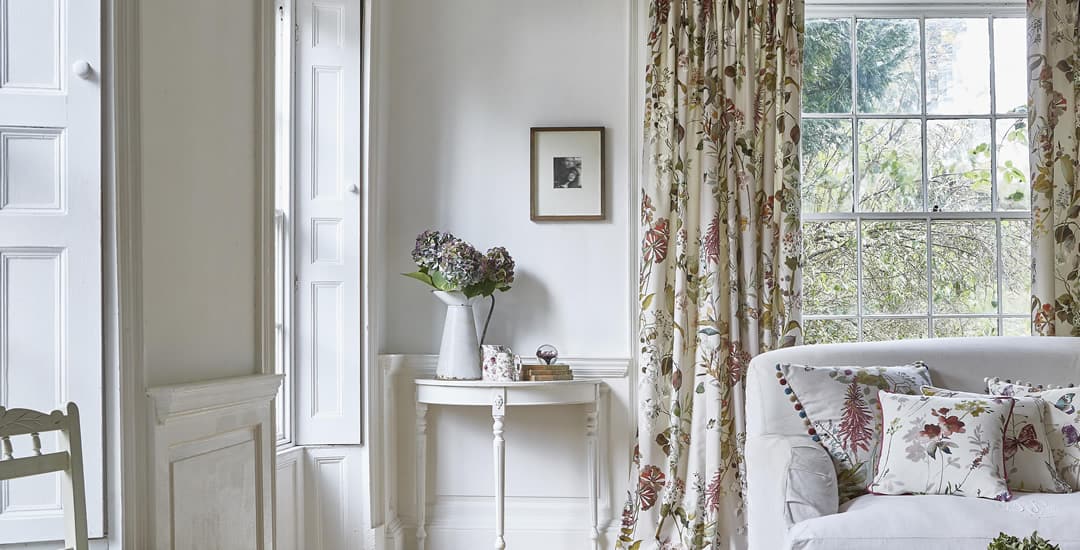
[[567, 174]]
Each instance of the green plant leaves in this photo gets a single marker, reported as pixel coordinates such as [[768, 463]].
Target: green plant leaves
[[438, 280], [420, 276]]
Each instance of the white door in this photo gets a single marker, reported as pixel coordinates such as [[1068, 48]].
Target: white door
[[326, 228], [50, 242]]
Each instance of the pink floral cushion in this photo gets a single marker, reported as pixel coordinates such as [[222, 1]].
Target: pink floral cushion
[[839, 406], [943, 446], [1028, 459]]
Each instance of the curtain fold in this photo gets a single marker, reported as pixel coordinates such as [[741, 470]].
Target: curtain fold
[[1054, 90], [720, 277]]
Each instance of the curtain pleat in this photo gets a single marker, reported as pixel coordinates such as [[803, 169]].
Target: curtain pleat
[[720, 277], [1054, 92]]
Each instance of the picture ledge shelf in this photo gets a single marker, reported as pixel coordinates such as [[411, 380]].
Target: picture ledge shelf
[[423, 365]]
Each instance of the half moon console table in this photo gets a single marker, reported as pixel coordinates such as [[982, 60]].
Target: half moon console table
[[499, 396]]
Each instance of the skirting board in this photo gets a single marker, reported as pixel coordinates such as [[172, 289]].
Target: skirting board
[[458, 519]]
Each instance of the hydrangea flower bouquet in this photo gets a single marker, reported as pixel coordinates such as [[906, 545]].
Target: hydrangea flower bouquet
[[459, 273]]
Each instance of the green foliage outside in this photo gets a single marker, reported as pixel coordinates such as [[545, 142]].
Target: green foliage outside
[[901, 271]]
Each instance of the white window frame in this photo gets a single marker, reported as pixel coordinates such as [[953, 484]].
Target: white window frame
[[872, 9], [283, 233]]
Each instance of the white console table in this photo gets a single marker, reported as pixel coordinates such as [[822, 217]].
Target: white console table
[[499, 396]]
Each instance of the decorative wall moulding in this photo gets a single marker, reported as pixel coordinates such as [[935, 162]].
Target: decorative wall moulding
[[179, 400]]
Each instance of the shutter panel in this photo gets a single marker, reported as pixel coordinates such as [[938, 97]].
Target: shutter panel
[[50, 244], [326, 232]]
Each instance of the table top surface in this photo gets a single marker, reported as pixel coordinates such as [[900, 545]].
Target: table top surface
[[486, 384]]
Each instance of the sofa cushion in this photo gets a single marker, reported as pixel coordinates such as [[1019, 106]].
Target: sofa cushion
[[1028, 459], [943, 445], [839, 406], [937, 522], [1062, 425], [810, 486]]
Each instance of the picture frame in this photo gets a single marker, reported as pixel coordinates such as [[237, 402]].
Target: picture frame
[[567, 174]]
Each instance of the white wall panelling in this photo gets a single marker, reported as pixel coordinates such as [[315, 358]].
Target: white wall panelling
[[50, 244], [326, 206], [289, 502], [211, 469], [546, 466]]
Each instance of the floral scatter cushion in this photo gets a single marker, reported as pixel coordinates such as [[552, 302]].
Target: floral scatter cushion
[[943, 446], [1062, 425], [1028, 459], [839, 406]]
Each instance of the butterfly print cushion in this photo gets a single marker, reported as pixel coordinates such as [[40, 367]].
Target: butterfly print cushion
[[1062, 426], [1029, 461]]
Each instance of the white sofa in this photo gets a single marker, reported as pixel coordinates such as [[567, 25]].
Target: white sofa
[[789, 504]]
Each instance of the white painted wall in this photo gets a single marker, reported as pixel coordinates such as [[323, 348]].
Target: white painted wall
[[198, 63], [192, 93], [468, 79]]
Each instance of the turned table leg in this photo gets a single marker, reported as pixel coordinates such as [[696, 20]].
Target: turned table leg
[[498, 412], [591, 415], [421, 474]]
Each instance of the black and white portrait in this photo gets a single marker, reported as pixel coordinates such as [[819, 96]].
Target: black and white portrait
[[567, 172]]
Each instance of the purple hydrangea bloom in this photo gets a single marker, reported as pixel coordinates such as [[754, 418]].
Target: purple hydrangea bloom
[[460, 263], [499, 267], [428, 246]]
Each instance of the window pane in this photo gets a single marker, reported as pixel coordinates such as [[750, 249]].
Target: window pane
[[958, 154], [1016, 264], [827, 184], [1010, 65], [958, 66], [965, 273], [827, 66], [1012, 164], [829, 277], [1016, 327], [889, 68], [977, 326], [894, 267], [893, 329], [890, 166], [830, 331]]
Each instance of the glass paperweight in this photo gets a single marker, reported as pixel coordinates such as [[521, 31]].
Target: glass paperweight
[[547, 353]]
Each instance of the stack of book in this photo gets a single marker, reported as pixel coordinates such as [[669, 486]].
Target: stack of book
[[548, 373]]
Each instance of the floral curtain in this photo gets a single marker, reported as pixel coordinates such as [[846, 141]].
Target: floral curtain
[[720, 255], [1054, 119]]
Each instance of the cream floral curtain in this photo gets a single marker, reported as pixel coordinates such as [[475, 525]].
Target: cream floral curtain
[[1054, 61], [720, 255]]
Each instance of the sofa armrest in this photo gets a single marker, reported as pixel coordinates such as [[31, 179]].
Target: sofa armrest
[[790, 478]]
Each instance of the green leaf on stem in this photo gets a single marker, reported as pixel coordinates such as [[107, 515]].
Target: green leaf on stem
[[420, 276]]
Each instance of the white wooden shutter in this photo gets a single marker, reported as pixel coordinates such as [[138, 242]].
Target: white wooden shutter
[[326, 228], [50, 235]]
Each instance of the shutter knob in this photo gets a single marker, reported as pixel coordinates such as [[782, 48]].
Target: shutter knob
[[82, 69]]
